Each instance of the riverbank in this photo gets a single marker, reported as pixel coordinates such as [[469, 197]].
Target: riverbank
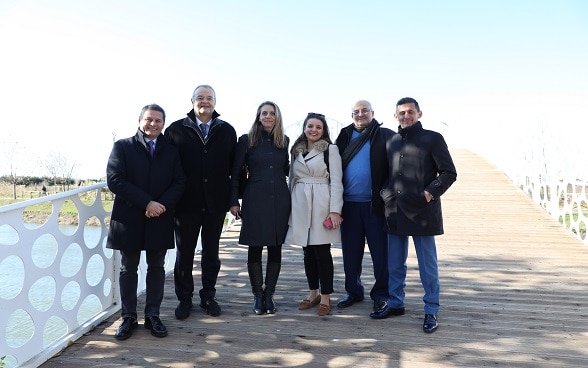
[[63, 219]]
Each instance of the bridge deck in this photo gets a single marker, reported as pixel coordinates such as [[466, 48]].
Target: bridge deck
[[514, 294]]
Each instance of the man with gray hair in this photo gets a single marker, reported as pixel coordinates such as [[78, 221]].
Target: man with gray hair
[[363, 154], [206, 145]]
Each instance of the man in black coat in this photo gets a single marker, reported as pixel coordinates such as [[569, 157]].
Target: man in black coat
[[363, 154], [420, 171], [145, 174], [207, 145]]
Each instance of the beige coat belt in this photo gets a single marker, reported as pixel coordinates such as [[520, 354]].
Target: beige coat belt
[[313, 180]]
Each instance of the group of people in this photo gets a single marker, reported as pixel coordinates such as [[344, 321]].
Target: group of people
[[371, 185]]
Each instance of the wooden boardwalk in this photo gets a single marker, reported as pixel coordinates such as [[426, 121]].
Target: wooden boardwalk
[[514, 288]]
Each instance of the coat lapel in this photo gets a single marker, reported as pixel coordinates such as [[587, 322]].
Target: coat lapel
[[312, 154]]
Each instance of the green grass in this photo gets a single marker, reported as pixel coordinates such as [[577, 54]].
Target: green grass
[[565, 220], [46, 207], [38, 213]]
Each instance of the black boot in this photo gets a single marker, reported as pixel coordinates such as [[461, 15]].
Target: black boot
[[271, 279], [256, 278]]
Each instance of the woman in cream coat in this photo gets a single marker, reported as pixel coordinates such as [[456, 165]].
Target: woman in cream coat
[[317, 196]]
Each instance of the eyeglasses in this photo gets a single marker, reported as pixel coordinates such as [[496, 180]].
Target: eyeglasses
[[362, 111], [315, 115], [202, 98]]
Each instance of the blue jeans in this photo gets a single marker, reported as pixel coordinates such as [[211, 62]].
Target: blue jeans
[[426, 252], [359, 225]]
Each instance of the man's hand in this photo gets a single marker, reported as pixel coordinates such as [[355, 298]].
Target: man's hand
[[154, 209]]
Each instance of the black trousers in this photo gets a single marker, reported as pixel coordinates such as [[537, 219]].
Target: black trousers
[[318, 265], [187, 227], [128, 281]]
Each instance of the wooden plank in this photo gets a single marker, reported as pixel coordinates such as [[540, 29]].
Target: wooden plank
[[514, 294]]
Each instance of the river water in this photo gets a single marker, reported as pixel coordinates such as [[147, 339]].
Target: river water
[[43, 293]]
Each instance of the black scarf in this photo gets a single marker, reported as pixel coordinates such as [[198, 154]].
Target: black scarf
[[356, 144]]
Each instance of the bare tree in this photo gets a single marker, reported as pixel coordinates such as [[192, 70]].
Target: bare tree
[[69, 175], [59, 168], [13, 179], [12, 158]]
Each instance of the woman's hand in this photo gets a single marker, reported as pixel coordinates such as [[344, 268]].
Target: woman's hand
[[336, 219]]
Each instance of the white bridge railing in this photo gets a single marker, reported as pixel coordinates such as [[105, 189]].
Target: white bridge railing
[[55, 284], [565, 201], [57, 281]]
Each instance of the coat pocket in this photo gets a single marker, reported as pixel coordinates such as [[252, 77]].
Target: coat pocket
[[411, 204]]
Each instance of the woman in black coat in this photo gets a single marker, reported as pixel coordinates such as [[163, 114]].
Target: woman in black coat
[[266, 200], [145, 174]]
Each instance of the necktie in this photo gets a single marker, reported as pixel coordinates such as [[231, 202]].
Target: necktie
[[151, 147], [204, 128]]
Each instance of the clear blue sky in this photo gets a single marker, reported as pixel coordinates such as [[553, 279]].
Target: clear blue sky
[[74, 73]]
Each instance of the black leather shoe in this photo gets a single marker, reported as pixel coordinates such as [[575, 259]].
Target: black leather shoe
[[157, 328], [430, 325], [183, 309], [125, 330], [379, 304], [386, 312], [211, 307], [348, 301]]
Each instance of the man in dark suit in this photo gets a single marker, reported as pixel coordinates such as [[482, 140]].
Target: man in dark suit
[[145, 174], [206, 145]]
